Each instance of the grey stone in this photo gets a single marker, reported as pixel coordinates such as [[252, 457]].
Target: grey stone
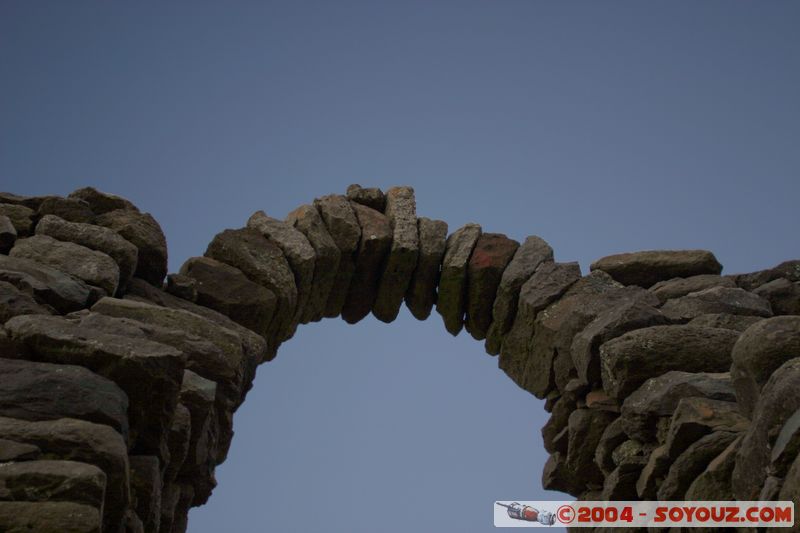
[[788, 269], [691, 463], [376, 241], [53, 480], [421, 294], [71, 209], [298, 251], [142, 230], [86, 442], [452, 296], [659, 396], [101, 202], [90, 266], [647, 268], [226, 289], [264, 263], [198, 395], [548, 283], [343, 227], [178, 437], [734, 301], [652, 475], [783, 296], [8, 234], [16, 451], [724, 321], [48, 517], [96, 238], [146, 490], [371, 197], [677, 287], [790, 491], [613, 435], [630, 360], [696, 417], [21, 217], [786, 446], [308, 221], [14, 302], [532, 253], [129, 362], [489, 258], [401, 210], [47, 285], [182, 286], [44, 391], [557, 476], [760, 350], [586, 426], [557, 422], [715, 481]]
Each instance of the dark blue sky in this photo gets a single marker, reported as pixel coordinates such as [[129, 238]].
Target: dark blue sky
[[600, 126]]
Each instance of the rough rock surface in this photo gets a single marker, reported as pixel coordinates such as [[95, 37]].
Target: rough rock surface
[[489, 258], [70, 209], [14, 302], [649, 267], [401, 210], [102, 202], [677, 287], [732, 301], [21, 217], [63, 517], [46, 284], [421, 294], [783, 296], [371, 197], [53, 480], [142, 230], [8, 234], [342, 225], [451, 300]]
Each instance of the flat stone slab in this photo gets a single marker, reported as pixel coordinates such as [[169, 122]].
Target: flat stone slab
[[732, 301], [47, 285], [49, 517], [263, 262], [376, 241], [452, 296], [421, 294], [532, 253], [677, 287], [142, 230], [46, 480], [90, 266], [369, 196], [649, 267], [97, 238], [489, 258], [341, 222], [401, 210], [308, 221]]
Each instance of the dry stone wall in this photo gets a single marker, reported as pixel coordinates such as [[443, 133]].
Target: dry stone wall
[[664, 378]]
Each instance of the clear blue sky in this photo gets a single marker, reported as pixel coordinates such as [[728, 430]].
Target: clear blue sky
[[600, 126]]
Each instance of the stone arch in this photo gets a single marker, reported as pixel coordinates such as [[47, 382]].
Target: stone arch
[[663, 377]]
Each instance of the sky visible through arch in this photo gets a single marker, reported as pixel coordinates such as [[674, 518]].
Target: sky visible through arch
[[601, 126]]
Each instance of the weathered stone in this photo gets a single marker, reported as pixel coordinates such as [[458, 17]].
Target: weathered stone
[[548, 283], [696, 417], [90, 266], [142, 230], [649, 267], [308, 221], [532, 253], [790, 491], [53, 480], [48, 517], [198, 395], [421, 294], [226, 289], [779, 400], [47, 285], [677, 287], [343, 228], [44, 391], [659, 396], [627, 315], [452, 296], [16, 451], [70, 209], [264, 263], [148, 372], [598, 399], [96, 238], [14, 302], [691, 463], [586, 426], [133, 524], [630, 452], [786, 446], [401, 210], [760, 350], [371, 197], [653, 473], [21, 217], [181, 513], [630, 360], [180, 433], [170, 495], [734, 301], [490, 256], [8, 234], [557, 422], [376, 241], [724, 321], [788, 269], [298, 251], [557, 476], [102, 202], [715, 481], [86, 442], [146, 489], [613, 435], [620, 483], [783, 296], [182, 286]]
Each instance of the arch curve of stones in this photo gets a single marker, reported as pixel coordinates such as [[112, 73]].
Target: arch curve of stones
[[664, 378]]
